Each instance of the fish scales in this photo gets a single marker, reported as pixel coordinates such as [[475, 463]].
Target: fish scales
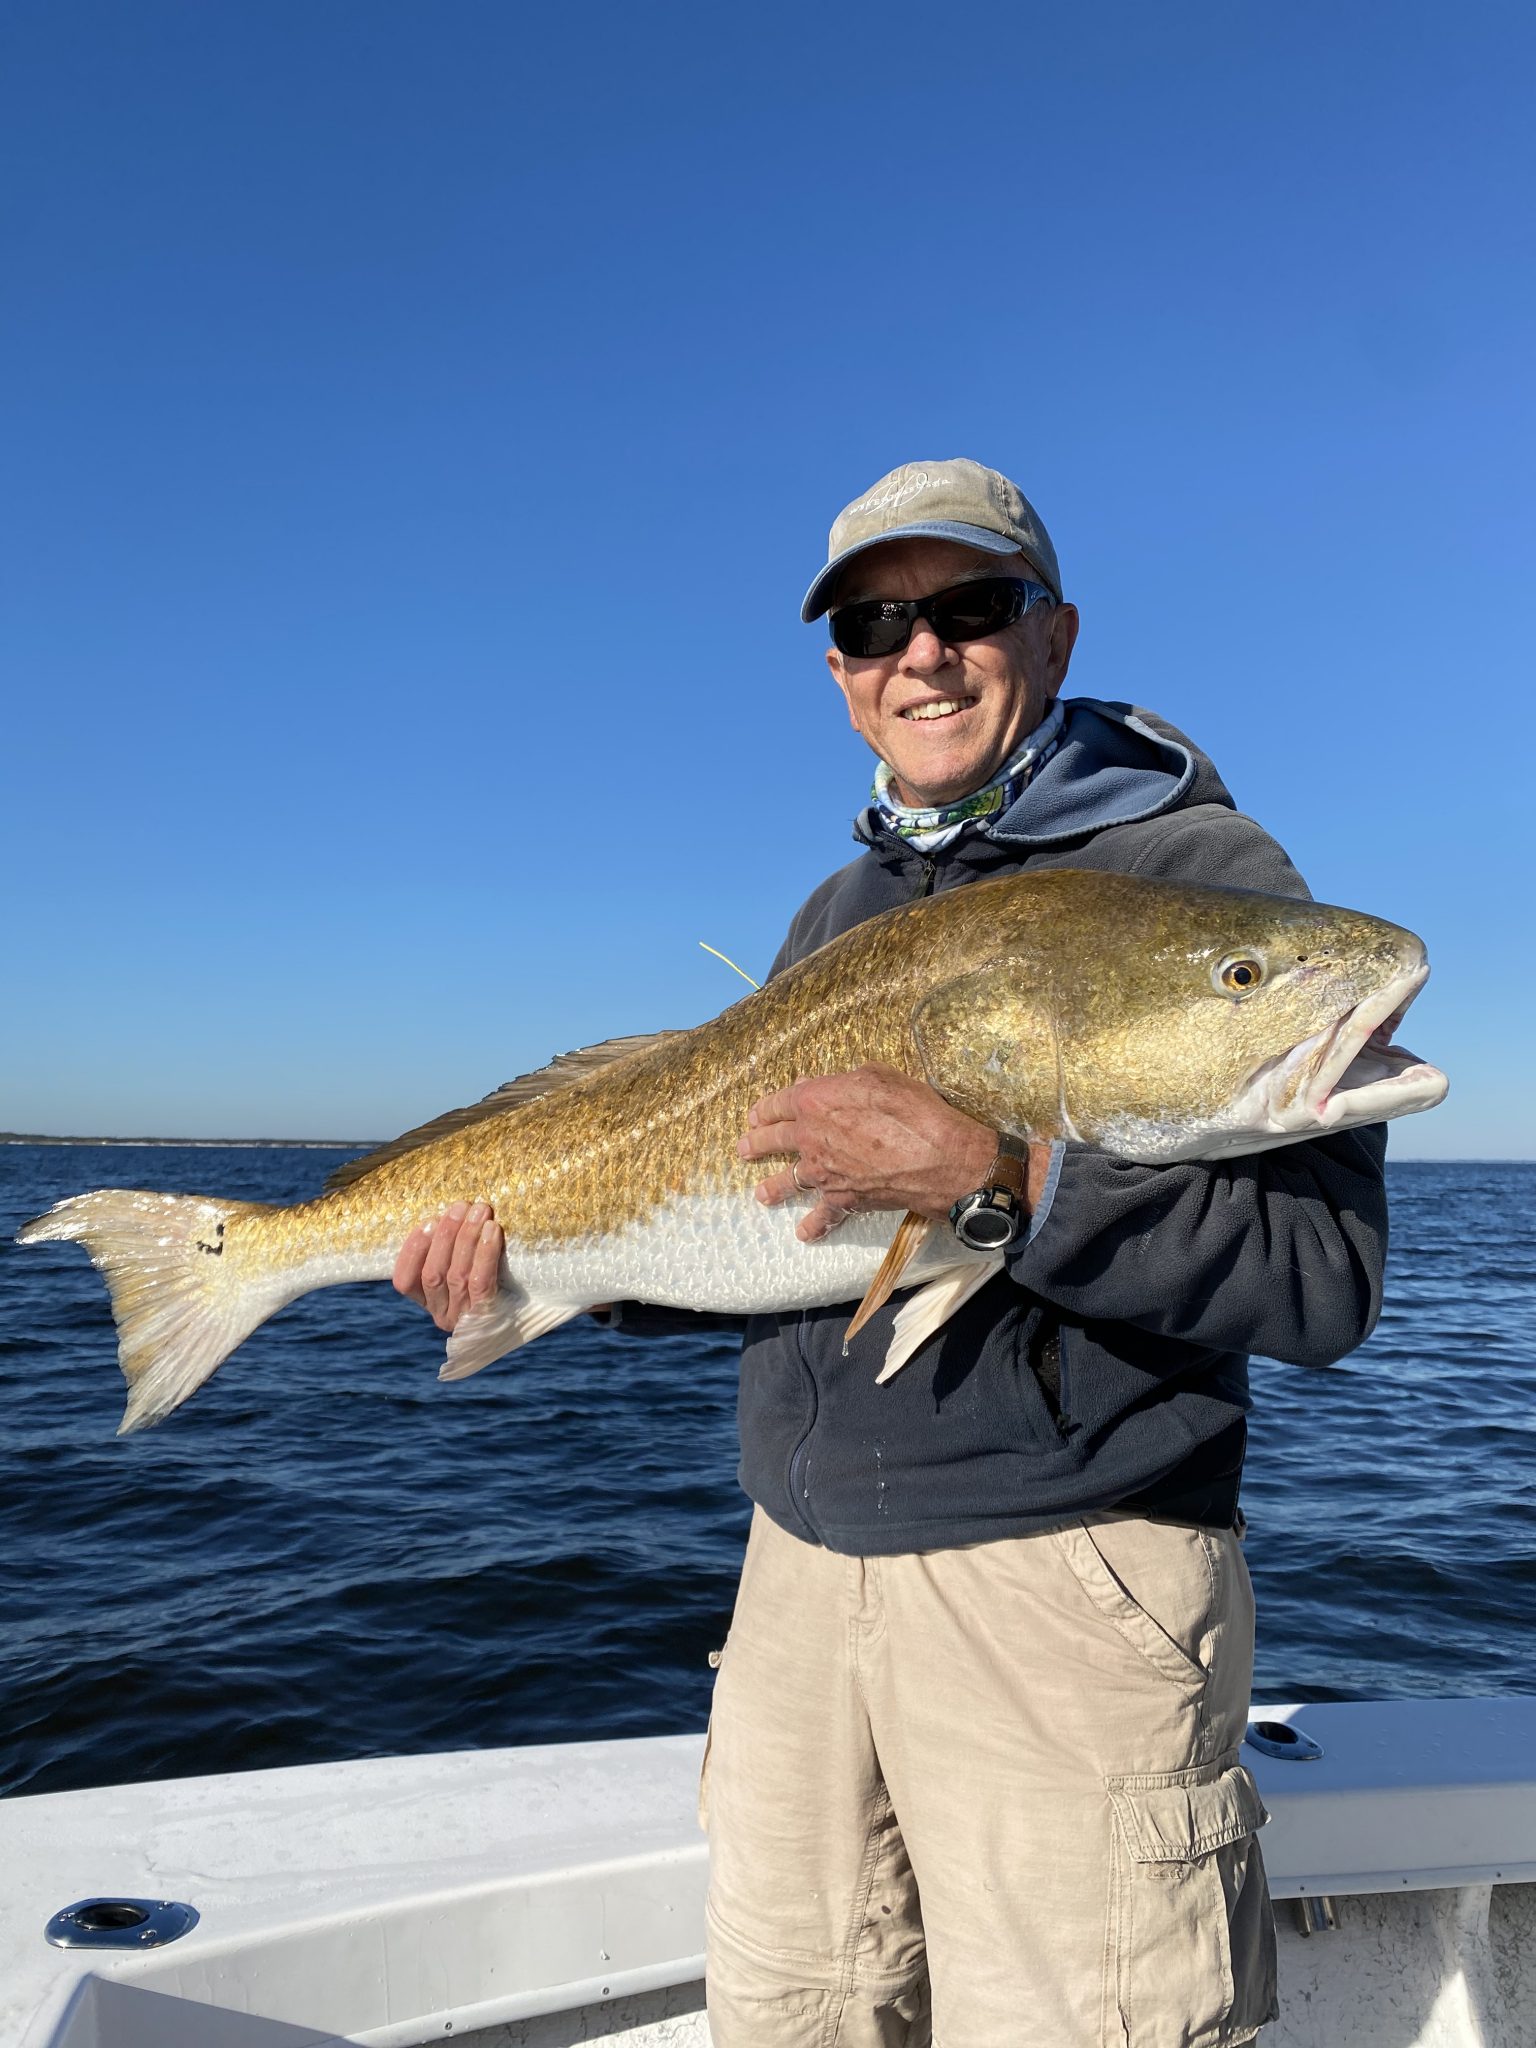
[[1159, 1021], [595, 1157]]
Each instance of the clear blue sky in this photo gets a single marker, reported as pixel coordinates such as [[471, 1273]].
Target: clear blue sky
[[421, 422]]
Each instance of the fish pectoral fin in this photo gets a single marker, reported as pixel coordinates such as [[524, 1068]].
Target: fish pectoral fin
[[493, 1328], [912, 1233], [931, 1307]]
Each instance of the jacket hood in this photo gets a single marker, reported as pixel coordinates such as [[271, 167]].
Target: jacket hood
[[1115, 765]]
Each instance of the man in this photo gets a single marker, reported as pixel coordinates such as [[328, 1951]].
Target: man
[[973, 1775]]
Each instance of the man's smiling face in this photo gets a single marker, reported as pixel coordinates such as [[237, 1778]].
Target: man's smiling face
[[945, 715]]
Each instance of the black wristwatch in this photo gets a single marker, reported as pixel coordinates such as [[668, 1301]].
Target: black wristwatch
[[994, 1215]]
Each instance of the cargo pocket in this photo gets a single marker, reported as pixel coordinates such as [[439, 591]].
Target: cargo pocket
[[1190, 1960]]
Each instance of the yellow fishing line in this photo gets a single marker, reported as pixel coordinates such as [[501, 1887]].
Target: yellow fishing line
[[730, 963]]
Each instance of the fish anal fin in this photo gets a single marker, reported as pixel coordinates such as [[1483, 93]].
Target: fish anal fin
[[930, 1308], [564, 1071], [912, 1233], [492, 1328]]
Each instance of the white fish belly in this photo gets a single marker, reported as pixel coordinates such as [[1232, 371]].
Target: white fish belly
[[722, 1252]]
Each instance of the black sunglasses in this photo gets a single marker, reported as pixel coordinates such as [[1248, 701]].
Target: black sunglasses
[[966, 611]]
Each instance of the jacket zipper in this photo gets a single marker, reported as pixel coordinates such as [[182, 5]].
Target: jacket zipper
[[800, 1457]]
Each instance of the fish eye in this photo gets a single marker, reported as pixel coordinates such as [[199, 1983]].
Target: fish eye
[[1239, 974]]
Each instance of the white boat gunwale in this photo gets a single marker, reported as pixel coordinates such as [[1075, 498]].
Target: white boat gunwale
[[390, 1901]]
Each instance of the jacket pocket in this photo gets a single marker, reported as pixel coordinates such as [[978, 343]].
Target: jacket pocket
[[1190, 1959], [1038, 1416], [1172, 1570], [1048, 1363]]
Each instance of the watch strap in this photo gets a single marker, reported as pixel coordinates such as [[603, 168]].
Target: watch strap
[[1010, 1169]]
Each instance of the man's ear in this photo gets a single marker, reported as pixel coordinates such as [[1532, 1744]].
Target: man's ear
[[1064, 624], [835, 663]]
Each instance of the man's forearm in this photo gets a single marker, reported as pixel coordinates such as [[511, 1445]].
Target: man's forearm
[[1280, 1253]]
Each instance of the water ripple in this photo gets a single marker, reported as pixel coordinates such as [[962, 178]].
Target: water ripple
[[329, 1554]]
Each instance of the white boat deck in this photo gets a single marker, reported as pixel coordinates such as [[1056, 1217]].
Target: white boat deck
[[532, 1897]]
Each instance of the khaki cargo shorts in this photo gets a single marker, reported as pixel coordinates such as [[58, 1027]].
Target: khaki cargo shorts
[[989, 1797]]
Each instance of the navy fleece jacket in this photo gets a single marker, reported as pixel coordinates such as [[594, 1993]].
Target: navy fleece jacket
[[1108, 1365]]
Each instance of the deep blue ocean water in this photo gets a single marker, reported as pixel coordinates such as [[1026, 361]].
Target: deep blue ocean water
[[328, 1554]]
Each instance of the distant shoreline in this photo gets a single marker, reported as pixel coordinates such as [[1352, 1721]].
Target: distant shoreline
[[203, 1144]]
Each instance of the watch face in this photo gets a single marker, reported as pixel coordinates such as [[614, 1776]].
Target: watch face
[[986, 1229]]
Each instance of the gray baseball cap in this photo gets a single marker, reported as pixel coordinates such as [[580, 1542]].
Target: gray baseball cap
[[954, 500]]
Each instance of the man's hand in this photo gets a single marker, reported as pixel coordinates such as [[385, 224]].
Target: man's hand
[[872, 1139], [452, 1264], [455, 1263]]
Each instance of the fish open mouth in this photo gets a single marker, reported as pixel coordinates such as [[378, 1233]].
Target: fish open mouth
[[1352, 1072]]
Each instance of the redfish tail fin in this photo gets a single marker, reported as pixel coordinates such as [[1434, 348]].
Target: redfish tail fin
[[184, 1290]]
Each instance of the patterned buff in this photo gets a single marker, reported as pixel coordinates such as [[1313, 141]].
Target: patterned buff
[[928, 830]]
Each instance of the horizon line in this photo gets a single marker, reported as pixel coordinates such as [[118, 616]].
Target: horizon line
[[229, 1144]]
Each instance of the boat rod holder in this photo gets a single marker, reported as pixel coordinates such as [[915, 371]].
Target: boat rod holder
[[120, 1923], [1282, 1739]]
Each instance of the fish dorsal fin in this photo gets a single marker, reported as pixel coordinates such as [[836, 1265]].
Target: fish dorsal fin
[[564, 1071], [912, 1233]]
